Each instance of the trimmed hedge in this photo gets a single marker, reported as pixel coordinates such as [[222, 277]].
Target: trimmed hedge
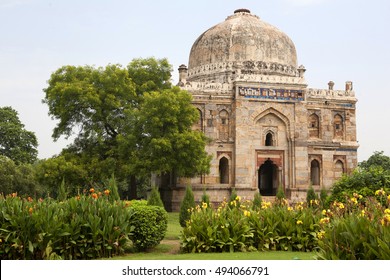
[[150, 225]]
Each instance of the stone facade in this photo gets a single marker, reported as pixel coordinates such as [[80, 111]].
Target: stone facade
[[267, 128]]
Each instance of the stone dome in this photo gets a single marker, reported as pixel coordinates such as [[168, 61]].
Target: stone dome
[[242, 44]]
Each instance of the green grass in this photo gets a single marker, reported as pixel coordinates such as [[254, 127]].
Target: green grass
[[168, 250], [174, 227], [161, 252]]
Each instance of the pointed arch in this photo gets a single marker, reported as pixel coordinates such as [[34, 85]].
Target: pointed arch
[[314, 126], [338, 126], [223, 127], [269, 139], [224, 170], [338, 169], [199, 124], [259, 114], [315, 172]]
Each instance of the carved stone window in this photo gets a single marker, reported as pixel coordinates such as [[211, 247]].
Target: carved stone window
[[314, 126], [199, 124], [269, 139], [223, 127], [338, 126], [338, 169]]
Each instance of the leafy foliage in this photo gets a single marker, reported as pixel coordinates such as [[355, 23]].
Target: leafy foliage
[[84, 227], [377, 159], [150, 224], [16, 143], [361, 181], [17, 178], [155, 198], [234, 227], [357, 230], [187, 203], [311, 195], [126, 120]]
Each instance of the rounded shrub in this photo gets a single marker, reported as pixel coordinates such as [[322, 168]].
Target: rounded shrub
[[150, 225]]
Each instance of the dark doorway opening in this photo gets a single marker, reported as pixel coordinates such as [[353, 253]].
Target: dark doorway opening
[[268, 178], [224, 170]]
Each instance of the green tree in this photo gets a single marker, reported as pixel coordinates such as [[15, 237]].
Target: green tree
[[124, 122], [18, 178], [186, 205], [372, 174], [16, 142], [155, 198], [51, 172], [377, 159], [162, 140], [150, 74]]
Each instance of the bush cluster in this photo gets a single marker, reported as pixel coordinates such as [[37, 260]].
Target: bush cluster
[[150, 225], [357, 229], [83, 227]]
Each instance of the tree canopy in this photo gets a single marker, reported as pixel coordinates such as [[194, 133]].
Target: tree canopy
[[16, 143], [128, 121], [377, 159], [372, 174]]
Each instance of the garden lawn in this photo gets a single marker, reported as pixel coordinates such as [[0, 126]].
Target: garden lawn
[[169, 249]]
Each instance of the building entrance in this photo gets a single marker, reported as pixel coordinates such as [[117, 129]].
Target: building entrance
[[268, 178]]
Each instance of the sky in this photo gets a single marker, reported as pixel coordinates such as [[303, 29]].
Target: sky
[[338, 40]]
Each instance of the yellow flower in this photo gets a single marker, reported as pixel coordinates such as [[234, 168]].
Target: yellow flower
[[362, 213], [204, 205], [314, 202], [354, 200], [320, 234], [238, 198], [234, 203], [265, 205], [298, 207], [387, 211], [380, 192], [107, 192], [325, 220], [30, 210], [323, 212], [247, 213], [299, 222], [289, 208]]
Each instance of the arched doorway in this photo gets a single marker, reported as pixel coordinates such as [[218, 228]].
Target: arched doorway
[[315, 172], [224, 170], [268, 178]]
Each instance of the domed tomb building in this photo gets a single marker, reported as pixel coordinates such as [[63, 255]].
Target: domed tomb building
[[267, 128]]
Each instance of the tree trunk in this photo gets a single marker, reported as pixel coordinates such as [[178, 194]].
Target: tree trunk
[[132, 187]]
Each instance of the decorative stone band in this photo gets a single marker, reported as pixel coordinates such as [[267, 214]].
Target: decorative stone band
[[330, 94], [245, 67], [272, 94]]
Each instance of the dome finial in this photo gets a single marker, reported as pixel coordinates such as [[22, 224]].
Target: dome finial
[[242, 11]]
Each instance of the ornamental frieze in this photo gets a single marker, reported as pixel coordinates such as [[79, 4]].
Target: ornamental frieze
[[272, 93]]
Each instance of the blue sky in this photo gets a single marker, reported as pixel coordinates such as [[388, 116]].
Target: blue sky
[[337, 40]]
